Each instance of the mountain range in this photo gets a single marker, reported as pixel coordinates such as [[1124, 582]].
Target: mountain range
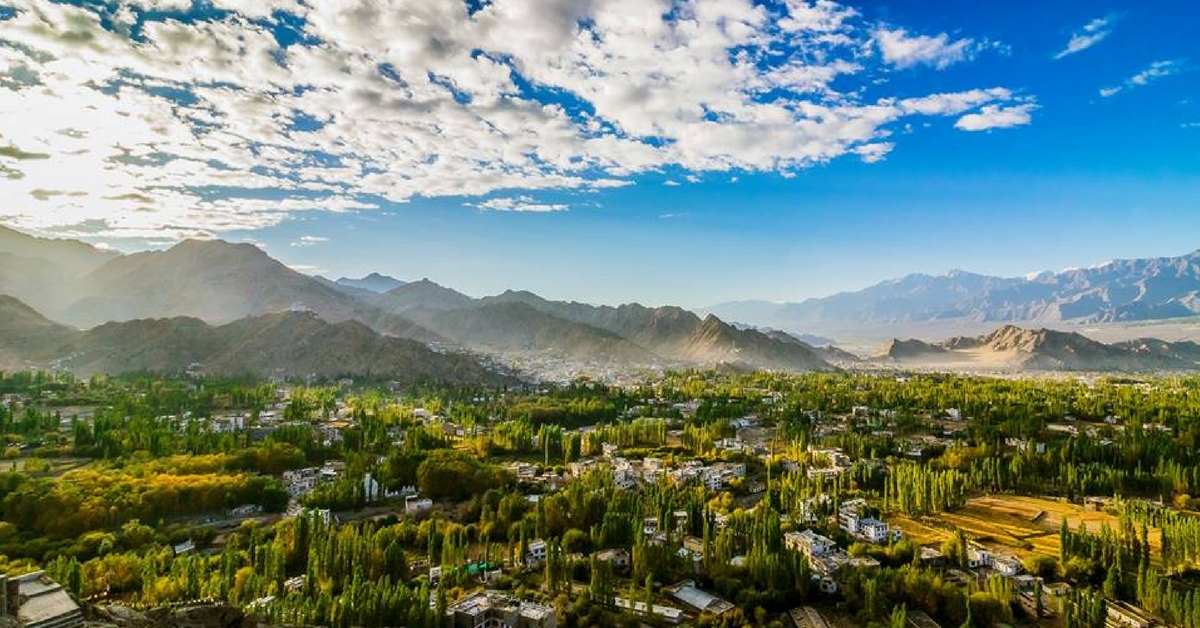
[[289, 344], [234, 309], [1013, 348], [219, 285], [1117, 291]]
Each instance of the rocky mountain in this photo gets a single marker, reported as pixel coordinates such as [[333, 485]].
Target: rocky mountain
[[25, 333], [423, 294], [289, 344], [214, 281], [373, 282], [1118, 291], [45, 271], [517, 328], [1013, 348], [72, 256], [678, 335], [911, 349], [176, 293]]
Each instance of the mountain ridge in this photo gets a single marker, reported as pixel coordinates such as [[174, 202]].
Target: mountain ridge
[[1009, 347], [293, 344], [1121, 290]]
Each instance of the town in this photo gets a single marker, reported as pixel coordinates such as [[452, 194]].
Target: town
[[697, 499]]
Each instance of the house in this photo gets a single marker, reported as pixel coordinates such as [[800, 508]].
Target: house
[[932, 557], [873, 530], [489, 609], [415, 504], [185, 547], [1126, 615], [535, 555], [36, 601], [978, 557], [849, 511], [807, 617], [698, 599], [1007, 566], [668, 614], [809, 543], [618, 558]]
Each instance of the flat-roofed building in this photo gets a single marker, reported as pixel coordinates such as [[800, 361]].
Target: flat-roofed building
[[36, 601], [699, 599], [807, 617], [493, 609]]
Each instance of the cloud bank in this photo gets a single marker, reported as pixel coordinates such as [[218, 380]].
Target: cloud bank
[[164, 119]]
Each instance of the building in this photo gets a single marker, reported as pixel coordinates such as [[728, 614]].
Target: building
[[1008, 566], [669, 614], [1126, 615], [618, 558], [807, 617], [698, 599], [493, 609], [414, 504], [809, 543], [978, 557], [876, 531], [536, 553], [36, 601], [849, 515]]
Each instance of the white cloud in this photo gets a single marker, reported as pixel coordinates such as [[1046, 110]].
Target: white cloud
[[308, 269], [872, 153], [903, 50], [207, 125], [1155, 71], [309, 240], [996, 117], [1092, 33], [1190, 125], [520, 204], [671, 183]]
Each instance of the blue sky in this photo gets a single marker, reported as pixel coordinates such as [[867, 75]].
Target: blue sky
[[689, 152]]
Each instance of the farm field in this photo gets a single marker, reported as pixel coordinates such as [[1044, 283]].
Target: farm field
[[1023, 526]]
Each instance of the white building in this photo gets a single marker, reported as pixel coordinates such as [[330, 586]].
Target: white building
[[414, 504], [809, 543], [536, 554]]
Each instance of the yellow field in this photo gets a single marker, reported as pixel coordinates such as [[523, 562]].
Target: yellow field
[[1022, 526]]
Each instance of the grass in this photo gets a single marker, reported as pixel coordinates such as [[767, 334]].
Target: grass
[[1023, 526]]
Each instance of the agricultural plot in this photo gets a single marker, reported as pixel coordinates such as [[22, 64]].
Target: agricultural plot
[[1023, 526]]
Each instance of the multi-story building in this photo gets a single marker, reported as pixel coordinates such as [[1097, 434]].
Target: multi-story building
[[36, 601], [493, 609], [809, 543]]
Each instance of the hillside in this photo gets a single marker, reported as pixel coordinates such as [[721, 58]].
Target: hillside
[[677, 335], [45, 272], [290, 344], [423, 294], [24, 333], [72, 256], [214, 281], [519, 328], [1013, 348]]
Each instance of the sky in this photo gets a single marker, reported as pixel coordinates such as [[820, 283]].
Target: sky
[[662, 151]]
